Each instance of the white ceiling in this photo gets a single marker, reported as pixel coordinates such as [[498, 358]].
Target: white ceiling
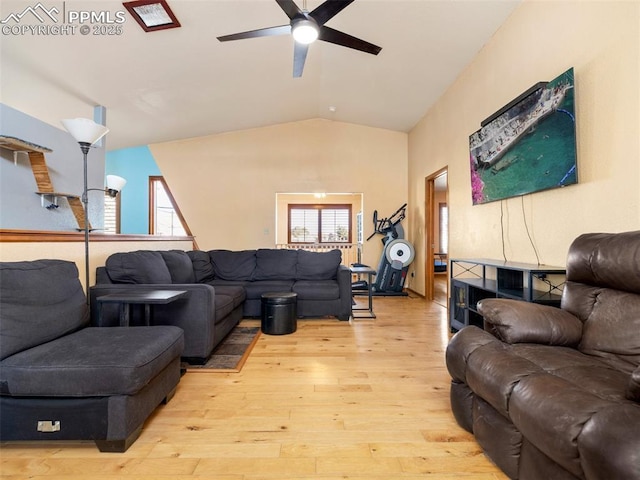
[[183, 82]]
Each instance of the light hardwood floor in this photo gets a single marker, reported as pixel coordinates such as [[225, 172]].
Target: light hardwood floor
[[367, 399], [440, 289]]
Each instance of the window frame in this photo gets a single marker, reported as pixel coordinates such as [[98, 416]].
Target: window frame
[[152, 204], [319, 207]]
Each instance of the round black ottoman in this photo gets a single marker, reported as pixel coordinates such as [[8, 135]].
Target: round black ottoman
[[279, 313]]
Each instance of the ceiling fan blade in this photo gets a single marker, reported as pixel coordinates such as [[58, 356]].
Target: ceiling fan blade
[[328, 10], [261, 32], [289, 7], [339, 38], [299, 56]]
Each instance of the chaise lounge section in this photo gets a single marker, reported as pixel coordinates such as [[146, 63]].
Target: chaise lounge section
[[61, 379]]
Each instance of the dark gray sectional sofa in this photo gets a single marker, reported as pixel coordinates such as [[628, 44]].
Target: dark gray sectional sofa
[[224, 286]]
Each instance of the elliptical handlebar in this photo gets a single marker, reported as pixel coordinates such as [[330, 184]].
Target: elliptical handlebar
[[388, 224], [400, 212]]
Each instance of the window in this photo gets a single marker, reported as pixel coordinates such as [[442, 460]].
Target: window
[[111, 214], [164, 216], [444, 228], [326, 223]]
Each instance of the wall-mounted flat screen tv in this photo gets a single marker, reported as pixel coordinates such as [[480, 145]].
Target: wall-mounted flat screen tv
[[528, 146]]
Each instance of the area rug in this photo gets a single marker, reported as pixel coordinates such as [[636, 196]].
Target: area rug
[[229, 356]]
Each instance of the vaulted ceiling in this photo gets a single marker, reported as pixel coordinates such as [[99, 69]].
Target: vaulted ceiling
[[182, 82]]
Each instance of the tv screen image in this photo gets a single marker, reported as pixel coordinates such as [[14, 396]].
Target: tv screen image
[[528, 148]]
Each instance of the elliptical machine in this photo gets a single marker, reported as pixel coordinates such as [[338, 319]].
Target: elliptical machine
[[397, 255]]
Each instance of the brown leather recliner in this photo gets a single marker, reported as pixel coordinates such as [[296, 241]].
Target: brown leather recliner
[[555, 393]]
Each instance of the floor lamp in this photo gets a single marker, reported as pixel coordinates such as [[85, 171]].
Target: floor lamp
[[86, 132]]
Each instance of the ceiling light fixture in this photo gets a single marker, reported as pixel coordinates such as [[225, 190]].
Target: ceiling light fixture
[[152, 15], [304, 31]]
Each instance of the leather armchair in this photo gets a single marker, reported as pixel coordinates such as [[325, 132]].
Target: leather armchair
[[555, 393]]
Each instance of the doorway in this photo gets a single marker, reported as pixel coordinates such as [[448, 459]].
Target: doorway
[[437, 236]]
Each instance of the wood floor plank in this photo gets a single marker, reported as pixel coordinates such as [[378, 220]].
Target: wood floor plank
[[366, 399]]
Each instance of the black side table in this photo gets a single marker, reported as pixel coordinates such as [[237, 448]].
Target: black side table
[[279, 313], [369, 272], [148, 298]]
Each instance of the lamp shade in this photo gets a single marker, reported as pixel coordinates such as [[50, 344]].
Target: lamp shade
[[114, 182], [304, 31], [85, 130]]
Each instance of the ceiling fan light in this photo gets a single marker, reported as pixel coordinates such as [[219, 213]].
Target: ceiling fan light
[[305, 32]]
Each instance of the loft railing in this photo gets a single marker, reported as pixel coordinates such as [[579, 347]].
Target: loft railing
[[349, 250]]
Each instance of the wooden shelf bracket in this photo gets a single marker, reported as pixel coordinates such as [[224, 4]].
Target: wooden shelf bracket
[[48, 196]]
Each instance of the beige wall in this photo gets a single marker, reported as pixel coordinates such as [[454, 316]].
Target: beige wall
[[74, 251], [540, 40], [226, 184]]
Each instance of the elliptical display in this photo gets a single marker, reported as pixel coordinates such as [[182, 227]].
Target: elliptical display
[[397, 255]]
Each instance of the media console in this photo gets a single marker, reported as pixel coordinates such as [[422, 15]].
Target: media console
[[475, 279]]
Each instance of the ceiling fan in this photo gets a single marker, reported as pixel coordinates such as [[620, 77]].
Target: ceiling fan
[[306, 27]]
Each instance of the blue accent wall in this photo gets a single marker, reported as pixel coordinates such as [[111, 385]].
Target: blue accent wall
[[134, 164]]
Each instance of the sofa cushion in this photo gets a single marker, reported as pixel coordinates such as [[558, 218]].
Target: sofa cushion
[[224, 305], [230, 265], [39, 301], [93, 361], [318, 265], [275, 264], [551, 413], [179, 265], [202, 268], [612, 329], [316, 290], [236, 293], [142, 266], [256, 289], [607, 260]]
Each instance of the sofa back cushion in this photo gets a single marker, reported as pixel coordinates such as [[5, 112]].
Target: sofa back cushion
[[608, 260], [179, 265], [318, 265], [231, 265], [603, 290], [275, 264], [142, 266], [39, 301], [202, 267]]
